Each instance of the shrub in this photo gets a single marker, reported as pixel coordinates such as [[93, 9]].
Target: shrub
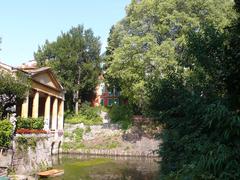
[[78, 134], [121, 114], [83, 119], [88, 111], [30, 123], [24, 142], [37, 123], [5, 133], [87, 115]]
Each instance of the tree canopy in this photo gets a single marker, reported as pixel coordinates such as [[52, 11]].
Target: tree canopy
[[149, 40], [74, 57], [12, 90], [179, 62]]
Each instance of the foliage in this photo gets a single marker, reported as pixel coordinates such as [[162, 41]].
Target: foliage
[[12, 90], [146, 44], [77, 119], [74, 57], [197, 110], [181, 60], [30, 123], [121, 114], [5, 133], [88, 111], [106, 145], [72, 146], [88, 129], [78, 134], [76, 138], [23, 143], [88, 115]]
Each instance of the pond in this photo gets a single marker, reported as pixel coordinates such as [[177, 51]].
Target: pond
[[77, 167]]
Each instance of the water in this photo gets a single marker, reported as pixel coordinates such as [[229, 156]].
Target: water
[[78, 167]]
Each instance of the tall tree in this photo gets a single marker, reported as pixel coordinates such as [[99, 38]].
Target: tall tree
[[74, 57], [199, 107], [180, 59], [149, 40]]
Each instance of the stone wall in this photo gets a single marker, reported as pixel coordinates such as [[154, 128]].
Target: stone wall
[[5, 160], [30, 153], [105, 140]]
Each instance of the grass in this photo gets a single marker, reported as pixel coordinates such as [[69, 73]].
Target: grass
[[72, 146], [107, 145]]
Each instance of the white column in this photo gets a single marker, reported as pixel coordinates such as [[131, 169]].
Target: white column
[[24, 113], [47, 113], [61, 114], [55, 114], [35, 105]]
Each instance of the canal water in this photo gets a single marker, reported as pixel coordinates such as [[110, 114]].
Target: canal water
[[77, 167]]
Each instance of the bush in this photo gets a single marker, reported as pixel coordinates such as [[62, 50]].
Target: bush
[[78, 134], [77, 119], [87, 115], [121, 114], [5, 133], [30, 123], [88, 111]]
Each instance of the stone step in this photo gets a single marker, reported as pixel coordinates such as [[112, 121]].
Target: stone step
[[3, 173]]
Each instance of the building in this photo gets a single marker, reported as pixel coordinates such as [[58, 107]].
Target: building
[[105, 97], [44, 99]]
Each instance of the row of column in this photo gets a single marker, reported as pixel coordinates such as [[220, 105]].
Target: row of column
[[56, 117]]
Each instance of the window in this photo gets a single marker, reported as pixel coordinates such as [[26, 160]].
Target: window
[[102, 102], [116, 101], [110, 102]]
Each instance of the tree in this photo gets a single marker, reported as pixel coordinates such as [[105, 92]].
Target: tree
[[199, 108], [74, 57], [149, 40], [12, 90], [180, 61]]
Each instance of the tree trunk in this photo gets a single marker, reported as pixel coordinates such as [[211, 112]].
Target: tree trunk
[[77, 102]]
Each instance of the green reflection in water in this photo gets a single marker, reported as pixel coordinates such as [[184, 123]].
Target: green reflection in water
[[106, 168]]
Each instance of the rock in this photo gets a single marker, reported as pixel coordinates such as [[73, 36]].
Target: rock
[[18, 177], [82, 126]]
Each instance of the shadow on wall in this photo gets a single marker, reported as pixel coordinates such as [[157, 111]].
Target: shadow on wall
[[56, 147]]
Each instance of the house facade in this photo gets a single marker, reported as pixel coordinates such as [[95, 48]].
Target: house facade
[[105, 97], [45, 97]]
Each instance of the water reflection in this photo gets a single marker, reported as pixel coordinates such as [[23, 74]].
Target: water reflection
[[79, 167]]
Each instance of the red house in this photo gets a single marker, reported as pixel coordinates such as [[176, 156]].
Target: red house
[[104, 97]]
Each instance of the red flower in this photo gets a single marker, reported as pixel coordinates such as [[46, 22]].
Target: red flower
[[31, 131]]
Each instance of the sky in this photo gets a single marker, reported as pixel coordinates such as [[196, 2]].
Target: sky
[[26, 24]]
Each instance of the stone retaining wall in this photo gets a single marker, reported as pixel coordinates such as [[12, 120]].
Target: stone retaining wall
[[30, 153], [103, 152]]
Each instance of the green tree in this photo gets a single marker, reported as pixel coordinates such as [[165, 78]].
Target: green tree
[[180, 59], [74, 57], [12, 90], [149, 40], [199, 107]]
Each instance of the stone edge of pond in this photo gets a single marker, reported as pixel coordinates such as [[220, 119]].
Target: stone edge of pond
[[103, 152]]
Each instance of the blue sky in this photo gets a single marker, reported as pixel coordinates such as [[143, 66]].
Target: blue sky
[[25, 24]]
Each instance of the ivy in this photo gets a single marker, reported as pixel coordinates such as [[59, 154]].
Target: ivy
[[23, 143]]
